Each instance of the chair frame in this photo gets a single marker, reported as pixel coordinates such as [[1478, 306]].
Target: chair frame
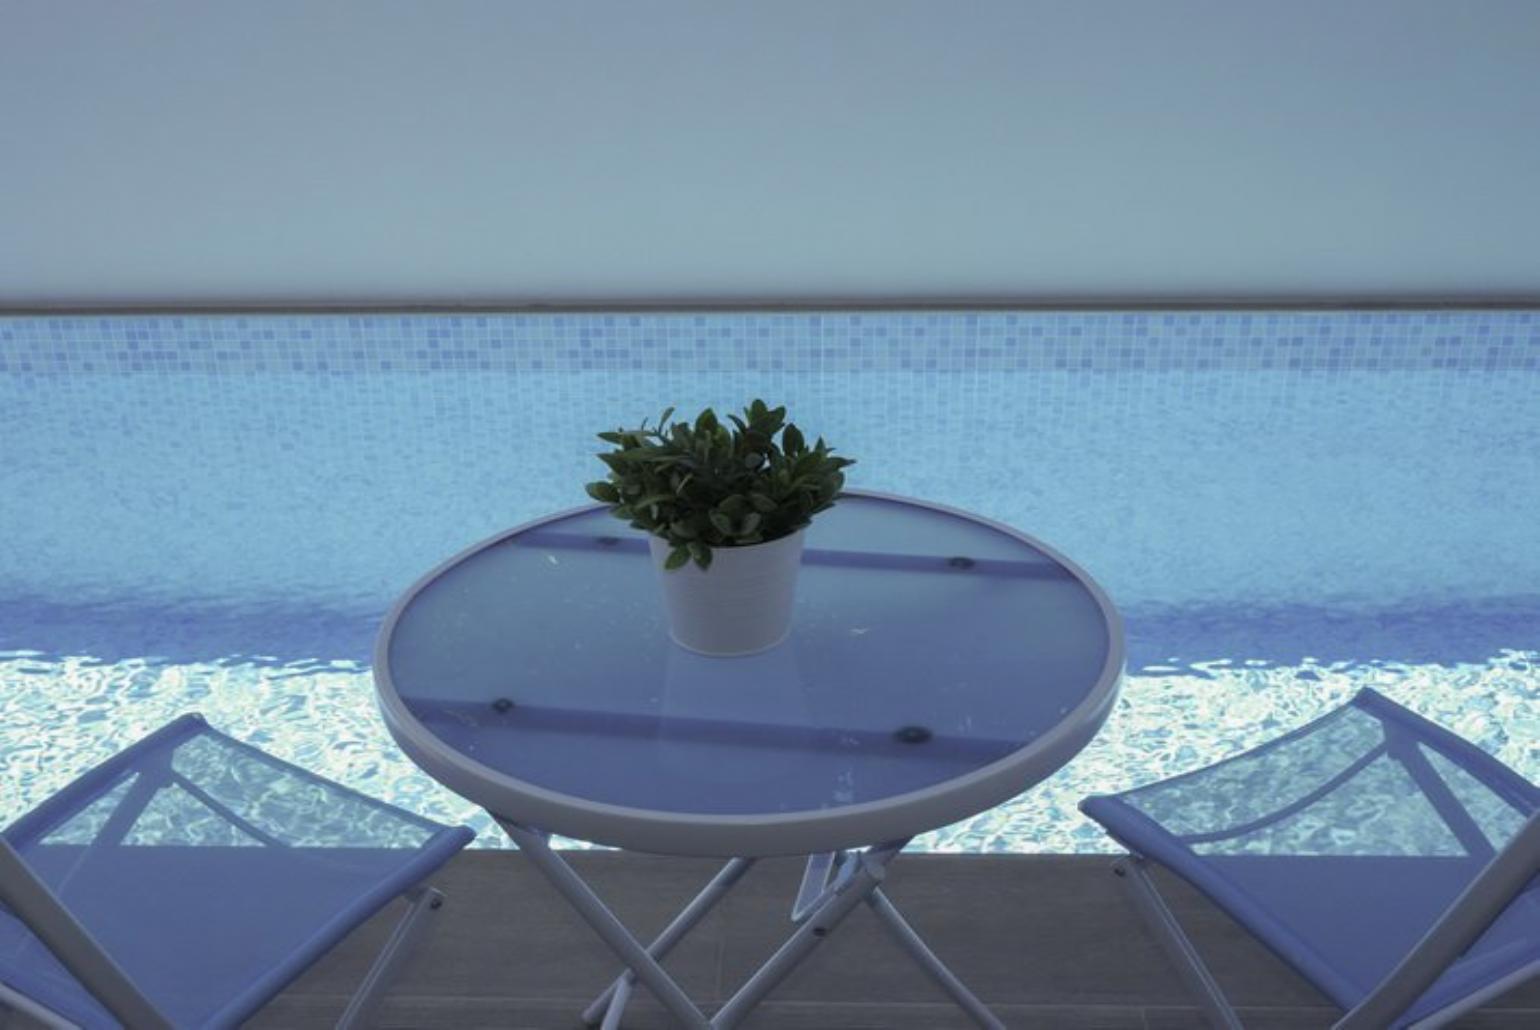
[[29, 899], [1485, 898]]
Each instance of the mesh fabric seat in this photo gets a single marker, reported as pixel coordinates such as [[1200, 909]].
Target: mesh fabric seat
[[210, 872], [1342, 844]]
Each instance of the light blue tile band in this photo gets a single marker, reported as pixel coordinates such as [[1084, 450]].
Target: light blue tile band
[[947, 341]]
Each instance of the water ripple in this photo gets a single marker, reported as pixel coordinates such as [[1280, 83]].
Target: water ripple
[[61, 714]]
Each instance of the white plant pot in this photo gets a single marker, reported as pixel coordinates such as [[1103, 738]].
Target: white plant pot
[[741, 605]]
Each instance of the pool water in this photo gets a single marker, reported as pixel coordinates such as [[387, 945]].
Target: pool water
[[1278, 535]]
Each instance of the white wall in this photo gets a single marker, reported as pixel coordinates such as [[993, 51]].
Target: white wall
[[495, 151]]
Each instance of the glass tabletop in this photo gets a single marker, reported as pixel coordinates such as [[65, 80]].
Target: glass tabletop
[[926, 645]]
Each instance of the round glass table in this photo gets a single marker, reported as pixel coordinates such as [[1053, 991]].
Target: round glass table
[[938, 665]]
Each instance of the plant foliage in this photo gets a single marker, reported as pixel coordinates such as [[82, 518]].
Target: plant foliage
[[709, 485]]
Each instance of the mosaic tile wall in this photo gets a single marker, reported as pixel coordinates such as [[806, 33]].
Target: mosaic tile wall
[[214, 512], [1483, 340]]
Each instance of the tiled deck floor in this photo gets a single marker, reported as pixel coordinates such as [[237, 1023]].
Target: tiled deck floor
[[1048, 942]]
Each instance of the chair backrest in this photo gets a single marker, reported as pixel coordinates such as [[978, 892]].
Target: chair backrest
[[1509, 872], [30, 900]]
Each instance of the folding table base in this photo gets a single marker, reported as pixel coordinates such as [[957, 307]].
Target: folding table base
[[832, 887]]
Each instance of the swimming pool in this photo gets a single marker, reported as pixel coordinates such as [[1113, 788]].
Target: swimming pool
[[213, 512]]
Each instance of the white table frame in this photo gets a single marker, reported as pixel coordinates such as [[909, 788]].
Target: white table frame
[[833, 885], [845, 869]]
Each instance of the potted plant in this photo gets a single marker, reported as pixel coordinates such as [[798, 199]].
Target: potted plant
[[726, 507]]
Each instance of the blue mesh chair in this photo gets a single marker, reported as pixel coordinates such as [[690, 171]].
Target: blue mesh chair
[[1388, 861], [187, 880]]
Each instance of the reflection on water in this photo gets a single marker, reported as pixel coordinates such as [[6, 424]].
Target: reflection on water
[[61, 714], [209, 792], [1356, 783]]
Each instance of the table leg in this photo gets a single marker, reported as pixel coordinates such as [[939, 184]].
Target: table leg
[[533, 844], [619, 998], [672, 934], [927, 960], [866, 873], [832, 887], [815, 880]]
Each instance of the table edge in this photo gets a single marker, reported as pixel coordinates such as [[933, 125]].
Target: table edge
[[792, 833]]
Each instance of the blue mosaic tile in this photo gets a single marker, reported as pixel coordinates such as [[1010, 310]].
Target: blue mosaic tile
[[951, 341]]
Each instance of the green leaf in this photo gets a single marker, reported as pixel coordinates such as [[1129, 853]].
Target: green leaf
[[650, 500], [605, 492], [676, 558], [711, 483]]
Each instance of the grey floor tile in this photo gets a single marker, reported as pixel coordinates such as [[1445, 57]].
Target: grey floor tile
[[1497, 1018], [1016, 929], [1249, 973], [407, 1013], [1048, 942], [812, 1015], [1287, 1018], [1283, 1018], [505, 933]]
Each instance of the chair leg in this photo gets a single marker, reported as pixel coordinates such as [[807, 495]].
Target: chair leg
[[1168, 931], [1449, 1013], [44, 1017], [424, 903]]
